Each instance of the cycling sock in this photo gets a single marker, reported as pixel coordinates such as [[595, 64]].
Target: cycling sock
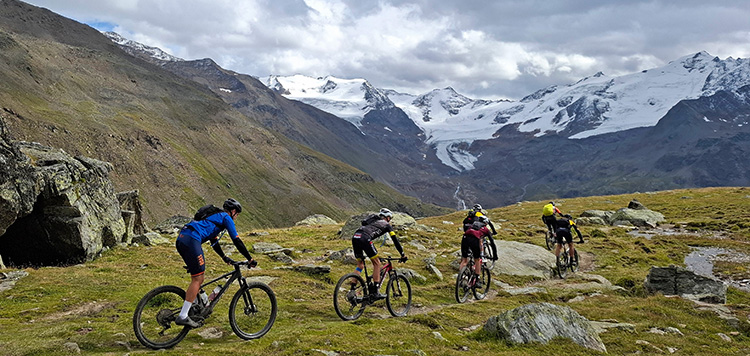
[[358, 269], [185, 309]]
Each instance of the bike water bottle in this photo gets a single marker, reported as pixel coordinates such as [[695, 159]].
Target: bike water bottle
[[214, 293], [204, 298]]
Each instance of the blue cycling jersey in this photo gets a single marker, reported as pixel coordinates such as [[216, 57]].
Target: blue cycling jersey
[[210, 227]]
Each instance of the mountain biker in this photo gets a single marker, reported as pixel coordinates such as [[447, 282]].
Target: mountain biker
[[472, 241], [373, 227], [188, 244], [548, 216], [564, 226], [474, 213]]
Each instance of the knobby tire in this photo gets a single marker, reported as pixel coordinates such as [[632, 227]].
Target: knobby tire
[[349, 296], [462, 284], [398, 293], [479, 294]]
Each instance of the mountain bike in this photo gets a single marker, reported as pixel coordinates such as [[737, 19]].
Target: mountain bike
[[351, 295], [564, 262], [466, 281], [252, 310]]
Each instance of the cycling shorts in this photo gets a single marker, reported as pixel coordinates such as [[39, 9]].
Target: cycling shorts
[[470, 243], [192, 253], [549, 220], [563, 233], [362, 247]]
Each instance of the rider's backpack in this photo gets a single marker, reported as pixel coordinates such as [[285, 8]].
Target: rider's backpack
[[370, 219], [206, 211]]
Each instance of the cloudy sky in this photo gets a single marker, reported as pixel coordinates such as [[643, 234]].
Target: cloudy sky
[[483, 49]]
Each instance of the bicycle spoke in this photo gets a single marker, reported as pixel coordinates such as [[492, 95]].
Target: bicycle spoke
[[463, 287], [398, 298], [348, 297]]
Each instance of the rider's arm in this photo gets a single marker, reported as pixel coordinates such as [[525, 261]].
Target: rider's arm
[[396, 242], [492, 245], [494, 232], [217, 248], [580, 237], [229, 224], [241, 247]]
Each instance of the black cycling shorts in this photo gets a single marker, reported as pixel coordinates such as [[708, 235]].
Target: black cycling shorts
[[192, 253], [470, 243], [550, 221], [563, 233], [362, 247]]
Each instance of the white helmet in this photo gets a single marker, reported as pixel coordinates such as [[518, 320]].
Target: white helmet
[[385, 213], [477, 207]]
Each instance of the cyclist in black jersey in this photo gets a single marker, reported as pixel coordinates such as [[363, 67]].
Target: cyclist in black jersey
[[373, 227], [564, 226]]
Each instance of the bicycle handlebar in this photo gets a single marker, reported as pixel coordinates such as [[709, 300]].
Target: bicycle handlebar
[[389, 259]]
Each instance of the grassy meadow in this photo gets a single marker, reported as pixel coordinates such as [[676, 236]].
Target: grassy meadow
[[92, 304]]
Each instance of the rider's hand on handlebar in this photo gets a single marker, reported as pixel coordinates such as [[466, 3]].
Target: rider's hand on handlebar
[[403, 258], [228, 260], [252, 263]]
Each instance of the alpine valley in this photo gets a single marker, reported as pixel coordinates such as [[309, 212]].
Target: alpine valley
[[682, 125]]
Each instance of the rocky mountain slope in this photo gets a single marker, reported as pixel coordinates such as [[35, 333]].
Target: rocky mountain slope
[[65, 85]]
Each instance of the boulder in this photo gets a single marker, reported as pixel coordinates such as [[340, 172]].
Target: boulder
[[542, 322], [55, 208], [151, 239], [317, 219], [601, 214], [400, 221], [636, 205], [643, 217], [522, 259], [172, 225], [261, 247], [588, 221], [675, 280]]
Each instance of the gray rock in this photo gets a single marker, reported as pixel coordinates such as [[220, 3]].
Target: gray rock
[[636, 217], [55, 208], [151, 239], [210, 333], [282, 257], [601, 214], [541, 322], [591, 221], [346, 256], [522, 259], [675, 280], [132, 214], [636, 205], [603, 326], [313, 269], [724, 337], [525, 290], [72, 347], [400, 221], [261, 247], [435, 271], [411, 274], [317, 219], [172, 225], [8, 280]]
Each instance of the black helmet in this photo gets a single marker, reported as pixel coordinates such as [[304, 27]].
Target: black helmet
[[232, 204], [477, 207], [553, 203]]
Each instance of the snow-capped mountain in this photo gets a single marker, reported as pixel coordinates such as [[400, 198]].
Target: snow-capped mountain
[[592, 106], [153, 52]]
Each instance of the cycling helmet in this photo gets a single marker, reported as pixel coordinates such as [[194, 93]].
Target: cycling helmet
[[477, 207], [231, 203], [385, 213], [553, 203]]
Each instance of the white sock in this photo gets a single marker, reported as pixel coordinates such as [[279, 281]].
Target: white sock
[[185, 309]]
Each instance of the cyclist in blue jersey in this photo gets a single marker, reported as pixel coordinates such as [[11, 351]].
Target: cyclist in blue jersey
[[188, 244]]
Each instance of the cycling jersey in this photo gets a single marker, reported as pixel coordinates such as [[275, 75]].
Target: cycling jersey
[[210, 227], [472, 241], [374, 230], [564, 227], [469, 220]]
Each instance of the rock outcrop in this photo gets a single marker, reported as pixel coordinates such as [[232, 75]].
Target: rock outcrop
[[317, 219], [675, 280], [635, 214], [542, 322], [522, 259], [54, 208]]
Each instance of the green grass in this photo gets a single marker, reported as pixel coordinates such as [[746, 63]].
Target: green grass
[[92, 304]]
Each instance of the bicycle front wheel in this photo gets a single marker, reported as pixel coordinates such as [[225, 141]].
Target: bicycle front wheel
[[349, 296], [480, 293], [154, 316], [252, 311], [398, 293], [463, 288]]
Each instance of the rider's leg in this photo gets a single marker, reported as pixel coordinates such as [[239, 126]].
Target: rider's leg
[[464, 262], [557, 249], [191, 294], [376, 265], [360, 266], [478, 266], [572, 251]]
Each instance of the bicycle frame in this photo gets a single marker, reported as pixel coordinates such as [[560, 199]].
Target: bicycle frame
[[232, 276], [387, 268]]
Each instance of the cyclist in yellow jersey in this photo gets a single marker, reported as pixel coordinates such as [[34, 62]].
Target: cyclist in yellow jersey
[[548, 216]]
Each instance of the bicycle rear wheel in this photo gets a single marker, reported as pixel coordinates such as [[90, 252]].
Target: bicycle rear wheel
[[154, 316], [349, 296], [252, 311], [480, 293], [462, 284], [563, 263], [398, 293]]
